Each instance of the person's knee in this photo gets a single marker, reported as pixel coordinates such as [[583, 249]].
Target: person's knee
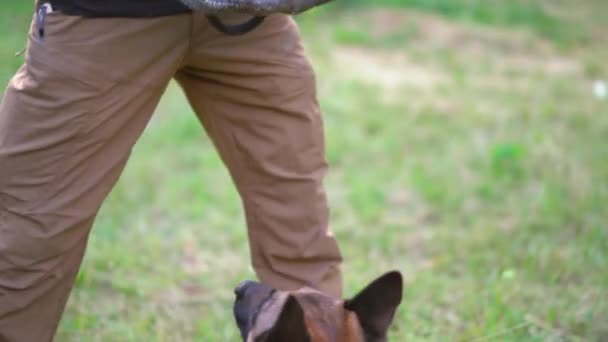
[[23, 247], [34, 242]]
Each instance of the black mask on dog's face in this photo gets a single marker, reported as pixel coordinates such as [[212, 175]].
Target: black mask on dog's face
[[251, 297]]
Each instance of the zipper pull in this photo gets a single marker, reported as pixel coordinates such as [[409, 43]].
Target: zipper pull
[[45, 9]]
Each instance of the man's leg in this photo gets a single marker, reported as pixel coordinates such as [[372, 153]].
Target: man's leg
[[68, 121], [256, 97]]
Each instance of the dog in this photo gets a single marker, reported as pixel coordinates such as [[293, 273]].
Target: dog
[[264, 314]]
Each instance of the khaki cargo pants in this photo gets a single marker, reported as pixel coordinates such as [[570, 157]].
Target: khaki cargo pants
[[73, 111]]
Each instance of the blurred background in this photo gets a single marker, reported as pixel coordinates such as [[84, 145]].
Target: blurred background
[[468, 145]]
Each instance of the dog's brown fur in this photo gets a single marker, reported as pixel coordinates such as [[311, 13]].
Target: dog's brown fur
[[307, 315]]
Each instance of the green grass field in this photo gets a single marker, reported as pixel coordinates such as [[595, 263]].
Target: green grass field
[[466, 149]]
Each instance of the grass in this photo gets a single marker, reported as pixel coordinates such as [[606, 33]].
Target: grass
[[470, 154], [511, 13]]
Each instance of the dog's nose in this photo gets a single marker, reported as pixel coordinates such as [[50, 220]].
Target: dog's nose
[[239, 291]]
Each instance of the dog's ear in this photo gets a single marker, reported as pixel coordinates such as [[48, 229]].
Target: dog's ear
[[376, 304], [290, 326]]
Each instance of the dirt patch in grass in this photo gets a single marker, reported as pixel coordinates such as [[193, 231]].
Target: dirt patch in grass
[[516, 48], [387, 69]]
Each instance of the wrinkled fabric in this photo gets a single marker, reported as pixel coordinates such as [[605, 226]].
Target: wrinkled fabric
[[74, 110]]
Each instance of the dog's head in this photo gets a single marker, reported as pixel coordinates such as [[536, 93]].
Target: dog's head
[[264, 314]]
